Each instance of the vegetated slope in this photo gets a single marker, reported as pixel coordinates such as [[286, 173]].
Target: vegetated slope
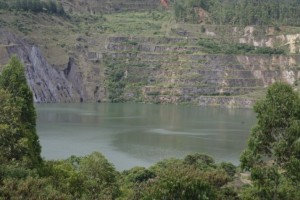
[[109, 6], [146, 56], [238, 12]]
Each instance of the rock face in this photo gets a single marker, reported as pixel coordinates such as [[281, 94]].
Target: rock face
[[47, 83]]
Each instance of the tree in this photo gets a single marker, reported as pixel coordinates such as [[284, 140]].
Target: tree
[[99, 176], [37, 6], [3, 5], [30, 188], [11, 144], [180, 182], [52, 7], [13, 81], [273, 152], [60, 9], [89, 177]]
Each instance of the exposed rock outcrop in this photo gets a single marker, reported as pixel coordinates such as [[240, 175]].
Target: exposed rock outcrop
[[47, 83]]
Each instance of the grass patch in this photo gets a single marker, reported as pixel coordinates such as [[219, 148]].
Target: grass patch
[[135, 23]]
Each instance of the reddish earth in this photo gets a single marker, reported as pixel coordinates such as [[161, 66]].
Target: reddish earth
[[164, 3]]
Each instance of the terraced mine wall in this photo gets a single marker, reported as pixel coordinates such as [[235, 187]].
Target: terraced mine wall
[[173, 69], [160, 70]]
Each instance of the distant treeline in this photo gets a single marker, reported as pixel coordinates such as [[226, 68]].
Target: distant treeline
[[240, 12], [49, 6]]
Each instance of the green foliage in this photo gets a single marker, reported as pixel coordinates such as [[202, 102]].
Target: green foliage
[[132, 181], [21, 26], [36, 6], [139, 174], [229, 168], [122, 76], [30, 188], [277, 131], [195, 177], [201, 161], [18, 134], [14, 171], [179, 182], [270, 187], [131, 42], [272, 154], [100, 176], [20, 182], [64, 177], [240, 12], [185, 10], [89, 177], [116, 84], [4, 5], [268, 50], [222, 47], [12, 146]]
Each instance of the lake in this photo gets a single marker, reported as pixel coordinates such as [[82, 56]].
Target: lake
[[131, 134]]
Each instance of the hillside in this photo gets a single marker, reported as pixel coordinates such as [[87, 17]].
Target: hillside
[[136, 51]]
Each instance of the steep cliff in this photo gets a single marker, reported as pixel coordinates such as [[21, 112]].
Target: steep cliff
[[47, 83]]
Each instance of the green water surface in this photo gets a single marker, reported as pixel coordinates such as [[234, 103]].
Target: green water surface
[[142, 134]]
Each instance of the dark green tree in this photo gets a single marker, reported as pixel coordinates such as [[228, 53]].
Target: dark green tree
[[89, 177], [3, 5], [13, 80], [36, 6], [52, 7], [195, 177], [60, 9], [273, 152], [240, 12], [11, 145]]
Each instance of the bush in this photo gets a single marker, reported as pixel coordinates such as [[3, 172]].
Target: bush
[[201, 161], [139, 174], [229, 168], [179, 182]]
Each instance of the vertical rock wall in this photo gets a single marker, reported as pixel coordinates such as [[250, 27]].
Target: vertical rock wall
[[47, 83]]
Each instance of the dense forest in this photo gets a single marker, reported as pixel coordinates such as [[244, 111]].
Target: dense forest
[[221, 12], [272, 157], [240, 12], [36, 6]]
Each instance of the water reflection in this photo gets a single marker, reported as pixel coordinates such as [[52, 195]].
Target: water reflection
[[142, 134]]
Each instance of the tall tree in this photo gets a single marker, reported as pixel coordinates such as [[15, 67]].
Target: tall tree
[[273, 152], [11, 147], [13, 80]]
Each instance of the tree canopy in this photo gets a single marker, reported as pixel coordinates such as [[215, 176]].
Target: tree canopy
[[273, 152], [36, 6], [240, 12], [18, 117]]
